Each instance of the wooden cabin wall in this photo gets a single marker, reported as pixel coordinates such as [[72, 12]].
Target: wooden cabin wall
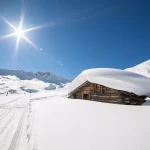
[[101, 93], [130, 98], [97, 93]]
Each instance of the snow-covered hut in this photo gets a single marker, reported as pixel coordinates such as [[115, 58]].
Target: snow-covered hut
[[110, 85]]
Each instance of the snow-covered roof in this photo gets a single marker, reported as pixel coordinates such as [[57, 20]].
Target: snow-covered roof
[[115, 79]]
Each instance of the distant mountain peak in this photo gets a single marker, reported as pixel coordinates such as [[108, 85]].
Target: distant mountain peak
[[143, 68], [43, 76]]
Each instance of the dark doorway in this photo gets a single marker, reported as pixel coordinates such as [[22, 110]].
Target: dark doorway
[[74, 96], [86, 96]]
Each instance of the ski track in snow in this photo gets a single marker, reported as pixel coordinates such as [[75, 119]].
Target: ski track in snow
[[6, 124], [5, 105], [12, 117], [17, 136]]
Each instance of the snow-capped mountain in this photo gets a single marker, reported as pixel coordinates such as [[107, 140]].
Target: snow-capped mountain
[[143, 69], [43, 76]]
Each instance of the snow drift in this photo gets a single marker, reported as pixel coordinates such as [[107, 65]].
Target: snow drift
[[114, 78]]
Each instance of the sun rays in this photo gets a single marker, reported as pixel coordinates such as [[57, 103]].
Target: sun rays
[[19, 32]]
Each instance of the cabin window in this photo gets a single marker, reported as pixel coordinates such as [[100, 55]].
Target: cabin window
[[103, 90]]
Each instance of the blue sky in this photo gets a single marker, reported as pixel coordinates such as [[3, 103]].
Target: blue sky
[[86, 34]]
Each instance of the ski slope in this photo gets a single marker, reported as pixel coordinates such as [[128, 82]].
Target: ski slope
[[51, 121]]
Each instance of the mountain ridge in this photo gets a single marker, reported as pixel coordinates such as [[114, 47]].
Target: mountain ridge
[[43, 76], [142, 68]]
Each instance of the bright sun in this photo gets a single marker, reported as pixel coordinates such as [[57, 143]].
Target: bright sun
[[19, 32]]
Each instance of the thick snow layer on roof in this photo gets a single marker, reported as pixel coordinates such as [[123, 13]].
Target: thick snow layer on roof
[[114, 78]]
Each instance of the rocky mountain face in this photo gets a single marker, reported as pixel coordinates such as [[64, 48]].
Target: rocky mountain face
[[143, 69], [43, 76]]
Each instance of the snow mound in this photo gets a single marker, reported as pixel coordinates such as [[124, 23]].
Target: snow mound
[[8, 83], [114, 78], [143, 69], [13, 84]]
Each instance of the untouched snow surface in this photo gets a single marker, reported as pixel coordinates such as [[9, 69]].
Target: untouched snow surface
[[51, 121], [143, 69], [114, 78], [66, 124]]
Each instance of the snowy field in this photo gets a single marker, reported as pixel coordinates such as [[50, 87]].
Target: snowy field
[[51, 121]]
